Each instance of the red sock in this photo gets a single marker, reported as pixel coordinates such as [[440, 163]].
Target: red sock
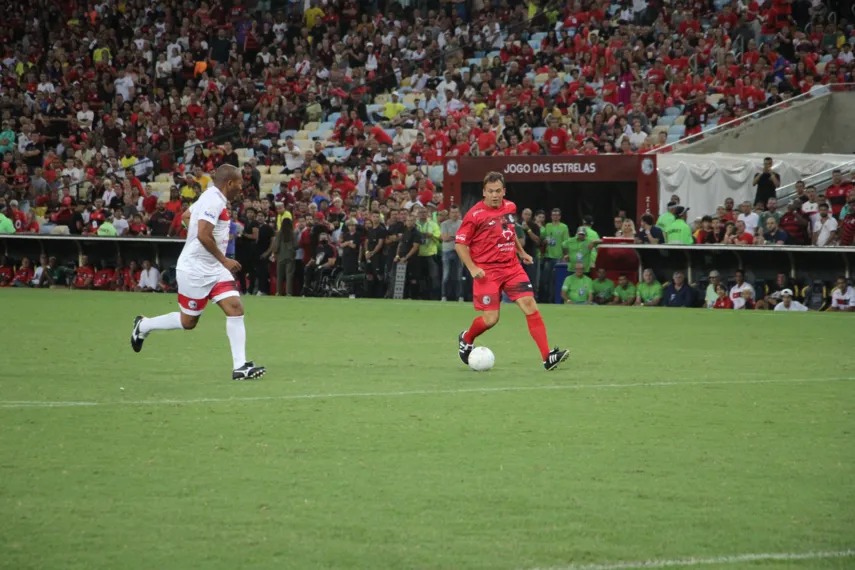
[[476, 329], [538, 332]]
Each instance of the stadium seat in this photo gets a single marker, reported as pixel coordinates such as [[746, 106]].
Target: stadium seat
[[333, 118], [435, 174], [714, 99], [677, 130], [666, 121], [309, 127], [672, 139], [537, 133], [680, 120], [673, 111]]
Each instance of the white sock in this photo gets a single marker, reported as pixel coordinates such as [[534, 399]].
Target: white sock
[[169, 321], [236, 332]]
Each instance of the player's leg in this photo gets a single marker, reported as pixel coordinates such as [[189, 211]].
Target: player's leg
[[192, 298], [520, 290], [487, 300], [228, 298]]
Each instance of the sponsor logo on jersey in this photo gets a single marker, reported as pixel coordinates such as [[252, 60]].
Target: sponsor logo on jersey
[[486, 300], [192, 304]]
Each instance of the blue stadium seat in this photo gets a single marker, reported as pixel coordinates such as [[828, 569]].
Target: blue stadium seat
[[285, 134], [673, 111], [474, 61], [340, 152], [327, 126], [538, 36], [435, 174], [537, 133], [333, 118], [316, 135], [666, 120], [672, 139], [677, 130], [535, 44]]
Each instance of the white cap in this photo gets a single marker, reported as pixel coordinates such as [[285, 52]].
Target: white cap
[[786, 292]]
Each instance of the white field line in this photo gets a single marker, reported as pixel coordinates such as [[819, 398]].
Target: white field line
[[712, 561], [482, 390]]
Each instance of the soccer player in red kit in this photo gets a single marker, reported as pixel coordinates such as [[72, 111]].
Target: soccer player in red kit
[[487, 245]]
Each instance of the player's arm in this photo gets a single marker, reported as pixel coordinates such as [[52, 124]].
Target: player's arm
[[206, 238], [461, 247], [525, 257]]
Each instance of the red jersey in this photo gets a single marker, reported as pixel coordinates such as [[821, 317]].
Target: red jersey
[[847, 232], [836, 195], [723, 303], [24, 275], [490, 234], [82, 273]]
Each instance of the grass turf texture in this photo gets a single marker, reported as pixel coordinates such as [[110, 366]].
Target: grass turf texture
[[588, 472]]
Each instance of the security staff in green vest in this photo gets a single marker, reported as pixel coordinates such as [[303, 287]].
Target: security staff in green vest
[[679, 231]]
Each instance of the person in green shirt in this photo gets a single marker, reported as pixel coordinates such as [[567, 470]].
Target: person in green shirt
[[6, 225], [578, 288], [588, 224], [624, 292], [107, 229], [649, 291], [428, 251], [7, 138], [604, 288], [553, 235], [667, 218], [580, 249], [679, 231]]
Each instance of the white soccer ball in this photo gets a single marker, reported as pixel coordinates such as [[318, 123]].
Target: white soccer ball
[[481, 359]]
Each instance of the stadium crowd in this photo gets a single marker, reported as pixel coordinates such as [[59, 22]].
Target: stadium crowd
[[115, 113]]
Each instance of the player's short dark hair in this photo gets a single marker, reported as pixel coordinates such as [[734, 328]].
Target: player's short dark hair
[[647, 219], [494, 177], [454, 207]]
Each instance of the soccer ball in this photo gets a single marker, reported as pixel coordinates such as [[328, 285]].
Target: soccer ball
[[481, 359]]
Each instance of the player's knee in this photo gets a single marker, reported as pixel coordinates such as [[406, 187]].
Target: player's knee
[[491, 318], [189, 323], [528, 305]]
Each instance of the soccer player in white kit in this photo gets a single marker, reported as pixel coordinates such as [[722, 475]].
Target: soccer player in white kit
[[204, 273]]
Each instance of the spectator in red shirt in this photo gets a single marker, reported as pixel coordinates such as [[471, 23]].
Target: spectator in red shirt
[[24, 274], [19, 218], [837, 193], [795, 224], [555, 137], [847, 226], [83, 275], [723, 299]]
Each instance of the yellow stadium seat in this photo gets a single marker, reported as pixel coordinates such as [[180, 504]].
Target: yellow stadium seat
[[310, 127], [680, 120]]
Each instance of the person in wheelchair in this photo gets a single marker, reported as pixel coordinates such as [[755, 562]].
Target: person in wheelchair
[[321, 266]]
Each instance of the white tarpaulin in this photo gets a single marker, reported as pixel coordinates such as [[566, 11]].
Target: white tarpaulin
[[703, 181]]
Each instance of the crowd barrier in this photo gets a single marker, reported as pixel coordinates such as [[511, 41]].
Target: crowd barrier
[[804, 263], [161, 251]]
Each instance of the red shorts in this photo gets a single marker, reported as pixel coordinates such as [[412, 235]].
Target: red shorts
[[511, 280]]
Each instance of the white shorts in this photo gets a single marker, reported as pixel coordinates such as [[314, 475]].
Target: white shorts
[[194, 291]]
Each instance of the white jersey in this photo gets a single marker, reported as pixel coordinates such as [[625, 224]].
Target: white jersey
[[843, 299], [195, 259], [795, 306]]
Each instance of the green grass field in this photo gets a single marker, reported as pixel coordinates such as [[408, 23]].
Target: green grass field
[[680, 437]]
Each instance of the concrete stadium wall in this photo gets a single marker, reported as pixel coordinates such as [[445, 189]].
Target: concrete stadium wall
[[833, 131], [789, 131]]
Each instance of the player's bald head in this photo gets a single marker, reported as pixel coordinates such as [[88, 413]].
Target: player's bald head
[[225, 173], [229, 180]]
